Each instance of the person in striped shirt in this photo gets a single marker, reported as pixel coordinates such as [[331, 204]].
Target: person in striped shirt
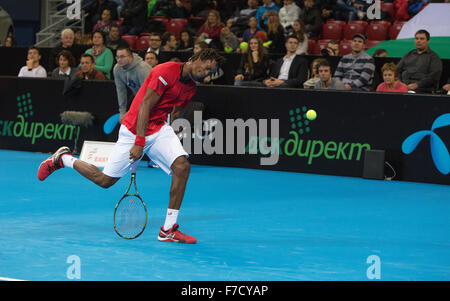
[[356, 69]]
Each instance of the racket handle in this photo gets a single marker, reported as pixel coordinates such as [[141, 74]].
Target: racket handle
[[134, 166]]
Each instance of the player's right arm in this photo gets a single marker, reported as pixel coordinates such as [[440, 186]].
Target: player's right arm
[[148, 102]]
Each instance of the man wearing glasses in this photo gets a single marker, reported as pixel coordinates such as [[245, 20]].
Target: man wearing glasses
[[155, 43], [130, 71]]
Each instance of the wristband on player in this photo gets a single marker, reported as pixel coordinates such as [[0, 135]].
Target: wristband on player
[[139, 141]]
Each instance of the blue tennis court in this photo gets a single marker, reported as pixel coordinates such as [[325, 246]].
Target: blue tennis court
[[250, 225]]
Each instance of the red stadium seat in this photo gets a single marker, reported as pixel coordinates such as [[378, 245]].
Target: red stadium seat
[[332, 31], [311, 45], [143, 43], [389, 8], [345, 47], [320, 44], [176, 26], [353, 28], [394, 30], [196, 22], [378, 32], [372, 43], [360, 22], [131, 40], [340, 22]]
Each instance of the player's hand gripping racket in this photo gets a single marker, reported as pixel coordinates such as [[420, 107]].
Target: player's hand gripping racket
[[130, 214]]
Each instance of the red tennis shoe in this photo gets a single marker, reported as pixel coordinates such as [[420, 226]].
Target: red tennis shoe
[[175, 235], [49, 165]]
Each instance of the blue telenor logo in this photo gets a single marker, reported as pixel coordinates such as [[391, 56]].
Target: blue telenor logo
[[111, 123], [439, 151]]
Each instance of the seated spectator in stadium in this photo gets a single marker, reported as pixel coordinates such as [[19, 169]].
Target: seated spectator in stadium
[[169, 41], [313, 75], [67, 43], [332, 49], [10, 42], [129, 72], [178, 9], [33, 67], [134, 14], [105, 23], [356, 69], [298, 29], [229, 41], [311, 18], [262, 14], [380, 52], [250, 10], [211, 29], [275, 33], [114, 41], [241, 17], [420, 69], [251, 30], [289, 13], [290, 71], [199, 46], [95, 10], [352, 9], [155, 42], [326, 81], [186, 41], [254, 65], [329, 10], [151, 58], [87, 70], [102, 55], [390, 80], [66, 65], [446, 87]]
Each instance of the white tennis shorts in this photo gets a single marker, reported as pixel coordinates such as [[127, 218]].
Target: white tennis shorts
[[163, 147]]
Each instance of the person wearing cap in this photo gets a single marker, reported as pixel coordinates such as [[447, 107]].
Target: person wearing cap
[[356, 69]]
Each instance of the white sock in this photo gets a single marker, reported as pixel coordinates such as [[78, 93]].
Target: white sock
[[68, 160], [171, 218]]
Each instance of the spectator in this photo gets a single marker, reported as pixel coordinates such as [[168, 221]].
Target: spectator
[[390, 78], [329, 10], [67, 43], [241, 19], [155, 42], [353, 9], [169, 41], [251, 30], [95, 10], [134, 14], [178, 10], [229, 41], [262, 13], [151, 58], [66, 65], [105, 23], [10, 42], [420, 69], [33, 67], [102, 55], [114, 41], [87, 70], [298, 29], [313, 74], [312, 19], [186, 41], [326, 81], [356, 69], [199, 46], [332, 49], [211, 29], [380, 52], [289, 13], [254, 65], [289, 71], [129, 72], [275, 33]]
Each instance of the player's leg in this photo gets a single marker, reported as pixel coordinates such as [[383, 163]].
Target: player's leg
[[180, 174]]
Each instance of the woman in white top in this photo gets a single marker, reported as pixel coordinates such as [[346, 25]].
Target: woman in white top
[[298, 29], [33, 68], [289, 13]]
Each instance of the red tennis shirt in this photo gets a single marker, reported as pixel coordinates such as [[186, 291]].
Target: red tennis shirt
[[165, 79]]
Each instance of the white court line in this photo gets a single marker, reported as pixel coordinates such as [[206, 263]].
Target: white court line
[[10, 279]]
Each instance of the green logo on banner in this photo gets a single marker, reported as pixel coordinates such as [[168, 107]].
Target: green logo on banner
[[24, 105]]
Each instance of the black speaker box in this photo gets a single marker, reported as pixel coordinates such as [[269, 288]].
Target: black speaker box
[[374, 164]]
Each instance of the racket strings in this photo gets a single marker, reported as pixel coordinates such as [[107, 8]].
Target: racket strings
[[130, 217]]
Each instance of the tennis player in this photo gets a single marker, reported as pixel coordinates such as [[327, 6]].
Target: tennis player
[[167, 90]]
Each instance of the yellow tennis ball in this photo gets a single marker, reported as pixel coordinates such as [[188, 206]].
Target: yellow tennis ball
[[244, 46], [311, 114]]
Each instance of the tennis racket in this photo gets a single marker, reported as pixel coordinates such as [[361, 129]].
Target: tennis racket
[[130, 214]]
